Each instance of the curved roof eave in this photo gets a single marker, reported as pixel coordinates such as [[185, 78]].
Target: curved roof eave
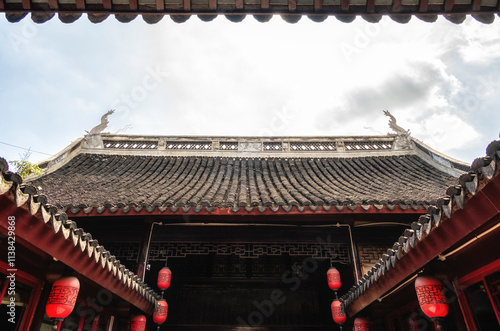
[[244, 175]]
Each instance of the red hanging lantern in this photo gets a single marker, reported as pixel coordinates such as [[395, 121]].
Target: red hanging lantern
[[361, 324], [333, 276], [62, 298], [138, 323], [431, 298], [338, 312], [160, 313], [164, 277]]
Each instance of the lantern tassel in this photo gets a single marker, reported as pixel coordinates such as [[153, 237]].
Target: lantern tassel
[[55, 322], [439, 323]]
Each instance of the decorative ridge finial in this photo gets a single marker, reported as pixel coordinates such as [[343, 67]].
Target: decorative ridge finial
[[402, 139], [93, 138]]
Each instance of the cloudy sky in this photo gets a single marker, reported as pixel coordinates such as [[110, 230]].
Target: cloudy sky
[[440, 80]]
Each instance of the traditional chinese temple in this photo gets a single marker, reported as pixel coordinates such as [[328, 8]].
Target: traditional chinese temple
[[249, 227]]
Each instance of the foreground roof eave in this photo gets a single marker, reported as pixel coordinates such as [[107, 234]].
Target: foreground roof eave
[[468, 206], [44, 227], [291, 11]]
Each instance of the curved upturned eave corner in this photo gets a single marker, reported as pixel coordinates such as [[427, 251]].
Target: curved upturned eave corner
[[50, 231], [398, 264]]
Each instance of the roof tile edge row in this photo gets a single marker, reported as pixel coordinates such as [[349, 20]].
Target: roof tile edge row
[[488, 167], [13, 15], [26, 197], [340, 206]]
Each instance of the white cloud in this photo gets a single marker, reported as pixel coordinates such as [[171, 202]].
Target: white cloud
[[480, 43], [445, 131], [250, 78]]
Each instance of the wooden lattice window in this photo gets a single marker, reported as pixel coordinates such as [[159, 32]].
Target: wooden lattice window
[[228, 145], [196, 145], [128, 144], [316, 146], [273, 146], [367, 145]]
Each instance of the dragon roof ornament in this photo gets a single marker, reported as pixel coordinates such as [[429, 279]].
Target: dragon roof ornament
[[93, 138], [402, 139]]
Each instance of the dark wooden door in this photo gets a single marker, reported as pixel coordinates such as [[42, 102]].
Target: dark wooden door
[[224, 292]]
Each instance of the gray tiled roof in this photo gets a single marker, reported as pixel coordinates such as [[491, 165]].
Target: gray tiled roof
[[126, 180]]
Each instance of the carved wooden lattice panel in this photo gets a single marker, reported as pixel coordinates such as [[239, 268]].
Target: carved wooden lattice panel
[[268, 266], [228, 265], [317, 146], [336, 252], [127, 144], [196, 145], [123, 251], [367, 145], [273, 146], [228, 146]]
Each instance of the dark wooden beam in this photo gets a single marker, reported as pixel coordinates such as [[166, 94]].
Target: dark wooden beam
[[53, 4], [212, 4], [318, 5], [448, 5], [344, 5], [264, 4], [187, 5], [370, 6], [292, 5], [239, 4], [396, 6], [160, 5], [476, 5], [133, 4], [2, 4], [80, 4], [424, 4], [479, 210], [26, 4], [106, 4]]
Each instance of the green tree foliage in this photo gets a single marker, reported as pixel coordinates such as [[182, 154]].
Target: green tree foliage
[[26, 168]]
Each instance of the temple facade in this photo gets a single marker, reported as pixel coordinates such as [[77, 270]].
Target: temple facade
[[249, 227]]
